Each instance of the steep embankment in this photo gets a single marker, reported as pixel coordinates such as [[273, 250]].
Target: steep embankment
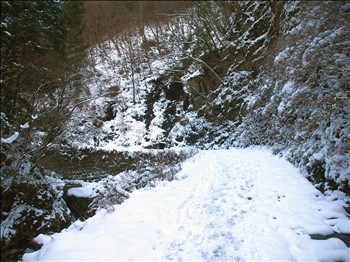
[[241, 204], [287, 88]]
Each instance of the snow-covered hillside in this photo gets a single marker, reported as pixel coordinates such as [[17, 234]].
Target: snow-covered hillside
[[125, 118], [276, 75], [216, 75], [237, 205]]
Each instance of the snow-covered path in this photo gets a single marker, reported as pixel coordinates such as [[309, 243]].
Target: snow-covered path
[[239, 204]]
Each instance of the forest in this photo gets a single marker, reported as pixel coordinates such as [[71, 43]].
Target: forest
[[121, 93]]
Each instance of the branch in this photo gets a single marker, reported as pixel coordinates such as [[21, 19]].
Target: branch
[[174, 57], [71, 112], [206, 65]]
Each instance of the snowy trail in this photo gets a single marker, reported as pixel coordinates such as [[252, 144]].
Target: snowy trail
[[239, 204]]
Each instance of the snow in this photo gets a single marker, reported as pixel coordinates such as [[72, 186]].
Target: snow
[[85, 192], [237, 204], [288, 88], [10, 139], [24, 126], [282, 56]]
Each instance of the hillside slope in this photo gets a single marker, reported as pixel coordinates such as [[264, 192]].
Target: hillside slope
[[273, 74]]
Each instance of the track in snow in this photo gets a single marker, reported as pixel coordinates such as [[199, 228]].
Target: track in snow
[[239, 204]]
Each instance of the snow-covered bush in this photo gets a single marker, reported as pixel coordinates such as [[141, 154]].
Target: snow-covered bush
[[30, 205], [300, 107], [151, 169]]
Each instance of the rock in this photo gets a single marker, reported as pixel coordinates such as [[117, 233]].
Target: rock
[[79, 200], [30, 208], [343, 237]]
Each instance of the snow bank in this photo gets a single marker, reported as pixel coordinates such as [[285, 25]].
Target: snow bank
[[10, 139]]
